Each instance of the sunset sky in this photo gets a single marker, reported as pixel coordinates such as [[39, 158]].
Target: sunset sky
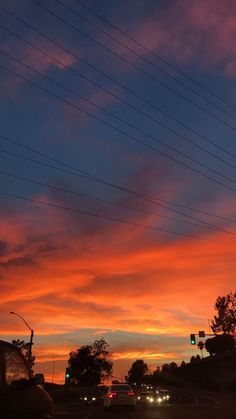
[[118, 158]]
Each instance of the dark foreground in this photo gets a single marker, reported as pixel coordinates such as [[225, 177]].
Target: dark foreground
[[197, 409]]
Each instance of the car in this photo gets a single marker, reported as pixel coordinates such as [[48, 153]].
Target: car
[[143, 397], [155, 400], [102, 390], [165, 395], [22, 395], [120, 395], [159, 397], [89, 399]]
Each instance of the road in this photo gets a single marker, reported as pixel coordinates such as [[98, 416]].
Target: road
[[197, 409]]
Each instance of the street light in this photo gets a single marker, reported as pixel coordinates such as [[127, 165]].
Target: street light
[[31, 336]]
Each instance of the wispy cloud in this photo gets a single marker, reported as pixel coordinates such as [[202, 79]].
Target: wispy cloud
[[184, 30], [152, 279]]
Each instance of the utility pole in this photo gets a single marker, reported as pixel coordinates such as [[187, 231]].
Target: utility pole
[[53, 369]]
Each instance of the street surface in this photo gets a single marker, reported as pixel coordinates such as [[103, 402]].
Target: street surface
[[196, 409]]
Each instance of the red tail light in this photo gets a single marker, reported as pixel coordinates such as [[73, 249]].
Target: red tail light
[[112, 394], [130, 393]]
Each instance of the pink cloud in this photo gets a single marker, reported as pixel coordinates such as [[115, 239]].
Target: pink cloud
[[34, 59], [42, 62], [94, 95], [186, 30]]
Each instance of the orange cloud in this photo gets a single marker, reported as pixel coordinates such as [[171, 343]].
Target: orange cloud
[[66, 274]]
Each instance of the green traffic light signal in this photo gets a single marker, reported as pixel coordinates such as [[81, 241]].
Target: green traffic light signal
[[67, 375], [193, 339]]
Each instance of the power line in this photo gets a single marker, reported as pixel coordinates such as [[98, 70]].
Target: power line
[[76, 72], [89, 22], [131, 137], [88, 176], [117, 204], [202, 211], [110, 113], [135, 66], [220, 217], [154, 54], [113, 219], [157, 140]]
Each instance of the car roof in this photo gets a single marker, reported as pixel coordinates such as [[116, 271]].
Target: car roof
[[119, 386], [7, 345]]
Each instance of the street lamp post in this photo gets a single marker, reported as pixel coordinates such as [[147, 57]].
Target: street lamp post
[[31, 336]]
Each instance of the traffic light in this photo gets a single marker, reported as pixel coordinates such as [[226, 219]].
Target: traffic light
[[67, 375], [193, 339]]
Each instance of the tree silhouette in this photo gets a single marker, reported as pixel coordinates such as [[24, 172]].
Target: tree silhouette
[[157, 370], [201, 346], [173, 365], [91, 364], [169, 367], [225, 320], [137, 371], [165, 367], [219, 344]]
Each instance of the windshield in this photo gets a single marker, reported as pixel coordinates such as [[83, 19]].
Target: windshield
[[15, 367]]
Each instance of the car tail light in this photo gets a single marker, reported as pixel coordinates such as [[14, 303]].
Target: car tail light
[[112, 394], [130, 393]]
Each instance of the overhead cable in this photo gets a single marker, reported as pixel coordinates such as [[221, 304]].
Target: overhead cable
[[121, 131], [76, 72], [113, 203], [155, 55], [125, 122], [142, 71], [75, 171], [145, 59], [113, 219]]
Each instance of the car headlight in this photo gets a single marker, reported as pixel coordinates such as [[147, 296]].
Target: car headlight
[[138, 397], [85, 398], [159, 399], [150, 399], [93, 398]]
